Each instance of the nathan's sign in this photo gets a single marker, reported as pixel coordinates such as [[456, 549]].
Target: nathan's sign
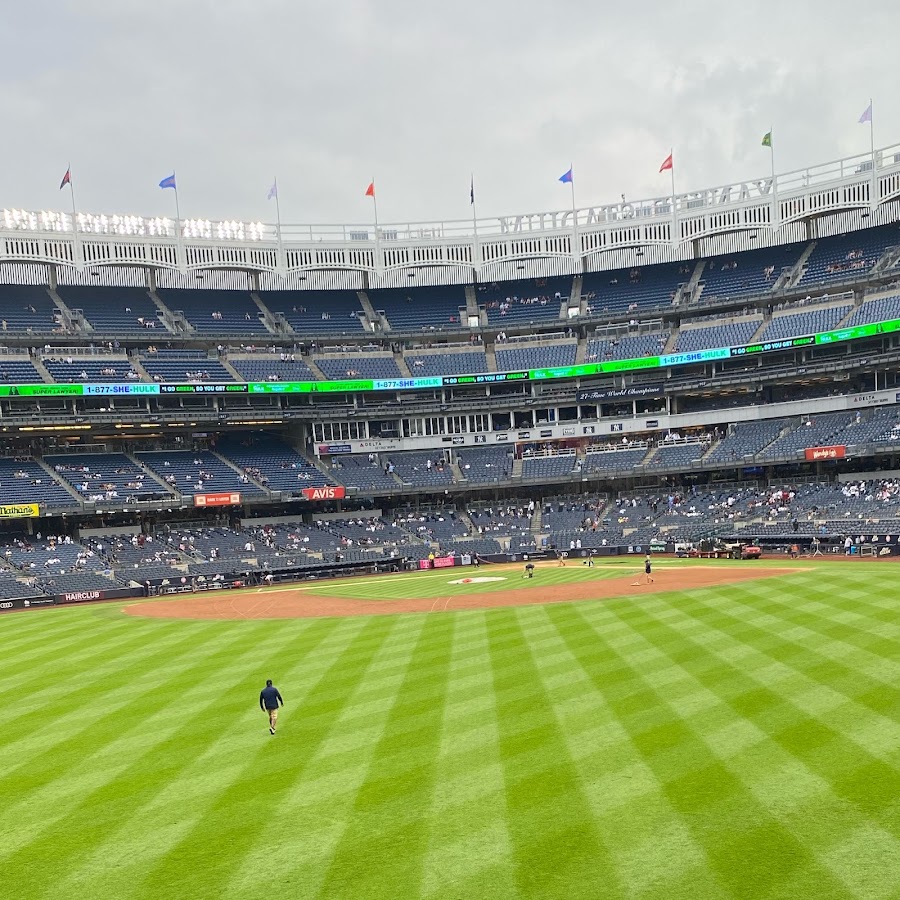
[[324, 493], [233, 499], [839, 451], [19, 510]]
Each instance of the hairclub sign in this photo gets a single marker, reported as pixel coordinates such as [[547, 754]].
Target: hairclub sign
[[329, 492]]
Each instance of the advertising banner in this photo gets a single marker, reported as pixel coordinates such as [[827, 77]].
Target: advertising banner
[[19, 510], [233, 499], [324, 493], [634, 392], [838, 451], [84, 596], [25, 603]]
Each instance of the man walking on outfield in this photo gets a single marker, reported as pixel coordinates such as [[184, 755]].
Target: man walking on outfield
[[269, 699]]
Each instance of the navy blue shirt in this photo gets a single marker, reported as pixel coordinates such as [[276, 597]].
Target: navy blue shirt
[[269, 698]]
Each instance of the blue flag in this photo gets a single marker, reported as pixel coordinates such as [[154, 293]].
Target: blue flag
[[567, 178], [168, 182], [273, 191]]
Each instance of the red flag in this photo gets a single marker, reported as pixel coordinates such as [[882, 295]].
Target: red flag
[[370, 190], [667, 164], [67, 178]]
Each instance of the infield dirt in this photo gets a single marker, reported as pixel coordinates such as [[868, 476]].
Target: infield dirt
[[301, 602]]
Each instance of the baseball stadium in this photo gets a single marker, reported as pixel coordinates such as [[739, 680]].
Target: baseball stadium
[[568, 540]]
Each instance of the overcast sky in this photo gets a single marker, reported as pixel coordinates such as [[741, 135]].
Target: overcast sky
[[327, 93]]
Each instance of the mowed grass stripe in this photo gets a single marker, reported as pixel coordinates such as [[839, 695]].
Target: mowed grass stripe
[[380, 853], [556, 845], [194, 864], [812, 753], [113, 781], [777, 682], [854, 677], [653, 849], [750, 852], [311, 813], [61, 726], [469, 852], [237, 732]]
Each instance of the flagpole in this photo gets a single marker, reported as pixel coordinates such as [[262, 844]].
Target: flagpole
[[77, 242], [476, 255], [179, 237], [874, 188], [775, 216], [281, 260], [674, 211], [576, 250], [377, 238]]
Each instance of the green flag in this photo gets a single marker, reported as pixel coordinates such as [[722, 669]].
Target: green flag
[[767, 139]]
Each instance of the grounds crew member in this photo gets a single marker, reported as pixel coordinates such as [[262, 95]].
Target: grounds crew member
[[269, 700]]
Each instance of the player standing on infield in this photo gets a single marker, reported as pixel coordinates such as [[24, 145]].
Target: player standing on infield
[[269, 699]]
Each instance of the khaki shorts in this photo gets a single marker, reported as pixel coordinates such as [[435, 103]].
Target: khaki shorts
[[273, 714]]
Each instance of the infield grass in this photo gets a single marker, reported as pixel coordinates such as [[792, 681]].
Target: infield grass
[[731, 742]]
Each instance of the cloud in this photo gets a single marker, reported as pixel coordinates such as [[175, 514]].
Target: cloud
[[325, 95]]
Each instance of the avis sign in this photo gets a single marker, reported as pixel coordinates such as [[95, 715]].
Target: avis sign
[[324, 493]]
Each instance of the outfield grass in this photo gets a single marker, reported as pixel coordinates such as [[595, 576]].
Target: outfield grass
[[740, 741]]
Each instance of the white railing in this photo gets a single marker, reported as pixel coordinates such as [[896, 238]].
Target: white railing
[[862, 184]]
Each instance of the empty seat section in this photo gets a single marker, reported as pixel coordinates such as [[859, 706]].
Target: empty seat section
[[425, 468], [537, 468], [25, 481], [360, 366], [626, 346], [483, 465], [277, 466], [363, 473], [724, 334], [184, 366], [107, 478], [547, 356], [809, 321], [521, 302], [847, 256], [217, 312], [313, 313], [425, 364], [884, 309], [271, 368], [635, 289], [749, 272], [28, 308], [745, 439], [114, 310], [197, 471], [613, 460], [18, 370], [817, 431], [414, 309], [76, 370], [675, 456]]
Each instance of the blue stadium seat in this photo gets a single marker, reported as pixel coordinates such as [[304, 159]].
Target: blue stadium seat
[[114, 310], [440, 308]]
